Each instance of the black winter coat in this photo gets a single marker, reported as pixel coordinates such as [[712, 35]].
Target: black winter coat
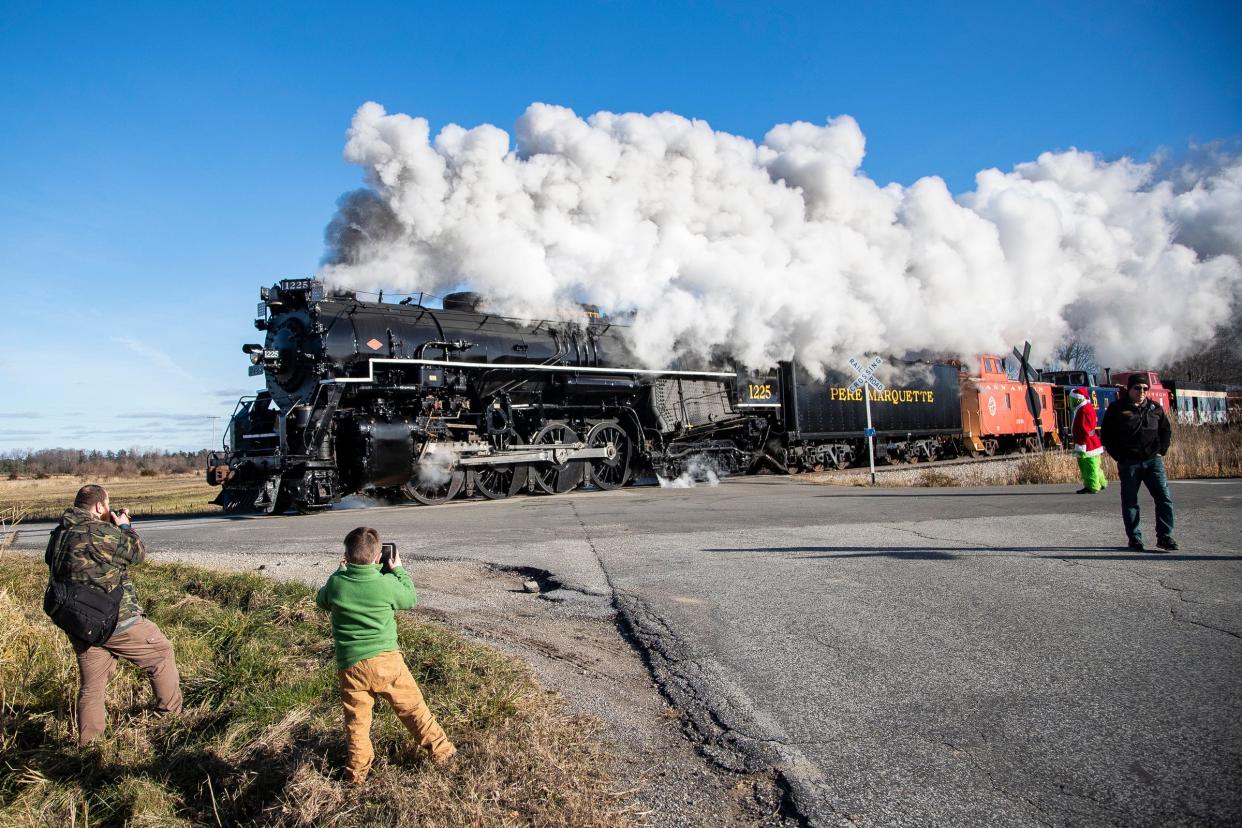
[[1134, 433]]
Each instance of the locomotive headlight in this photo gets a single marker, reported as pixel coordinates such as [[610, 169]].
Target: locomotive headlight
[[255, 352]]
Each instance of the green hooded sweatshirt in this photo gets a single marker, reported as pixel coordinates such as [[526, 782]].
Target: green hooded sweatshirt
[[362, 601]]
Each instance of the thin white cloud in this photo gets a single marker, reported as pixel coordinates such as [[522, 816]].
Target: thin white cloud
[[159, 415], [152, 355]]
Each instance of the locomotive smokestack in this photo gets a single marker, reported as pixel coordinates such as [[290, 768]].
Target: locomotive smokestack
[[785, 247]]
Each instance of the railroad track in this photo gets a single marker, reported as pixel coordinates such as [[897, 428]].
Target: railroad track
[[886, 468]]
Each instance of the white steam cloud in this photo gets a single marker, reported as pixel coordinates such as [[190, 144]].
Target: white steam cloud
[[435, 467], [785, 248], [699, 470]]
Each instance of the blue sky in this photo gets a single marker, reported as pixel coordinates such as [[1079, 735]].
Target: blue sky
[[162, 161]]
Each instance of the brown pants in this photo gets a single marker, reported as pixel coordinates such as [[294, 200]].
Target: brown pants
[[143, 645], [386, 675]]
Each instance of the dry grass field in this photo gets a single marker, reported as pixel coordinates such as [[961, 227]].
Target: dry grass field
[[261, 741], [1195, 452], [181, 494]]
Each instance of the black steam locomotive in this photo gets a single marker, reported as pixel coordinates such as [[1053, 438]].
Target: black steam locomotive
[[424, 402]]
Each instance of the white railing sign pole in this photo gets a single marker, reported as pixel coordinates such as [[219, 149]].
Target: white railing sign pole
[[867, 381], [870, 431]]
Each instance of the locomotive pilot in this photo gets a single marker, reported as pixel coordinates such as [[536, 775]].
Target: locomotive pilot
[[1087, 443]]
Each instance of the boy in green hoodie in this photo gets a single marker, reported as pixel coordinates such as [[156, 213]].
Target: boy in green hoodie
[[363, 601]]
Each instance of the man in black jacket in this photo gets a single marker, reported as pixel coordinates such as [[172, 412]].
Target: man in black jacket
[[1136, 433]]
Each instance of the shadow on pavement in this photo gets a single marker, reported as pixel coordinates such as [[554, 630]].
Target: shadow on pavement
[[946, 553], [952, 491]]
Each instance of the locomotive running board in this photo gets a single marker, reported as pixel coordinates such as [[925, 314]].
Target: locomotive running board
[[370, 377]]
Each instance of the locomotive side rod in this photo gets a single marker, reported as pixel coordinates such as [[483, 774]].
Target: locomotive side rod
[[535, 454]]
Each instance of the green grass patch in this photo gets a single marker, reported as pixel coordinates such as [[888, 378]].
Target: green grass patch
[[261, 740]]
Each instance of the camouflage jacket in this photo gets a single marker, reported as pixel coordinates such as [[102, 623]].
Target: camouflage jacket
[[85, 550]]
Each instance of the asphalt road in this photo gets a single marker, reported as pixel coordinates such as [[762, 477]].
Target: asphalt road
[[900, 656]]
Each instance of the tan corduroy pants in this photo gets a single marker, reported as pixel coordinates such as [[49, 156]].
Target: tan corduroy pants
[[141, 644], [386, 675]]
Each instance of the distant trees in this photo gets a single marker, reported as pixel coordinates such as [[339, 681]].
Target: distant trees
[[1219, 362], [1077, 355], [82, 463]]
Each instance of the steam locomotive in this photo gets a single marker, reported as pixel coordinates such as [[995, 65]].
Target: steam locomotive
[[422, 403], [419, 403]]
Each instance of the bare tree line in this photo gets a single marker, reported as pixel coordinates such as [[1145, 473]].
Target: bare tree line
[[79, 462], [1220, 362]]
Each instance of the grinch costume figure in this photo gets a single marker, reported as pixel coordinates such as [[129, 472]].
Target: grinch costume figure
[[1087, 443]]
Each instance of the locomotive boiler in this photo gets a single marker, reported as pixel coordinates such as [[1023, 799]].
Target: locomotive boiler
[[419, 402]]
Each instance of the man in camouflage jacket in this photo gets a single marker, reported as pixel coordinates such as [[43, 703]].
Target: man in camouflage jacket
[[94, 544]]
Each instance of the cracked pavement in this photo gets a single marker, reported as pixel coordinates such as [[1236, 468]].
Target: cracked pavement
[[896, 657]]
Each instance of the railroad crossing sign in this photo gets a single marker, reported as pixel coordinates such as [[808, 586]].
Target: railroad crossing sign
[[1030, 375], [867, 382], [865, 375]]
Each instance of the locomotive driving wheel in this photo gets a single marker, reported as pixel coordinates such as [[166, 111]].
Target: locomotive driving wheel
[[434, 481], [552, 478], [499, 482], [614, 472], [435, 490]]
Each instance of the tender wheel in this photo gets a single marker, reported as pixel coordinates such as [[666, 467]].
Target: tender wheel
[[556, 479], [280, 504], [606, 473]]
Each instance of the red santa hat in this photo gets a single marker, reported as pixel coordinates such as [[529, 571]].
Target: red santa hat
[[1081, 391]]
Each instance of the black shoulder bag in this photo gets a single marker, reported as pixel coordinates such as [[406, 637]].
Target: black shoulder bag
[[85, 611]]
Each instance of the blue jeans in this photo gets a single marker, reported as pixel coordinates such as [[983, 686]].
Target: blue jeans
[[1151, 474]]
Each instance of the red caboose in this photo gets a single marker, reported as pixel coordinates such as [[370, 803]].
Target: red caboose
[[1156, 392], [994, 412]]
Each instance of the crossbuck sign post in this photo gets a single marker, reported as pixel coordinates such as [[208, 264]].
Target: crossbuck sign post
[[867, 382]]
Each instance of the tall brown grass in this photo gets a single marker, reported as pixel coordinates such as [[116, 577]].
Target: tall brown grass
[[261, 740], [10, 517], [1202, 451]]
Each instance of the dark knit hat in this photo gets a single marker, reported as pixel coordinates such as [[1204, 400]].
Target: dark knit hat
[[1135, 379]]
